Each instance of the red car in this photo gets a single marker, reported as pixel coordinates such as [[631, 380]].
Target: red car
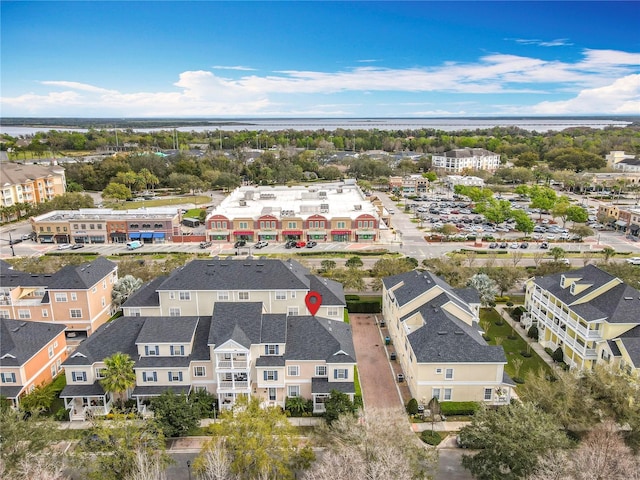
[[301, 244]]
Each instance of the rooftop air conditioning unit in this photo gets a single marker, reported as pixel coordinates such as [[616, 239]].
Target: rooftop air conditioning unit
[[243, 203], [357, 207]]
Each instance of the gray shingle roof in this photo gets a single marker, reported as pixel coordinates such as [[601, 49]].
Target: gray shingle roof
[[10, 391], [313, 338], [167, 330], [240, 322], [270, 361], [274, 328], [332, 292], [146, 295], [154, 361], [631, 342], [94, 389], [445, 339], [245, 274], [323, 385], [156, 390], [23, 340], [619, 304], [82, 276], [469, 294]]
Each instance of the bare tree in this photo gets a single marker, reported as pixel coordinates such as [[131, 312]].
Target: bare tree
[[214, 463], [147, 467], [538, 257], [471, 258], [516, 257], [587, 256], [42, 467]]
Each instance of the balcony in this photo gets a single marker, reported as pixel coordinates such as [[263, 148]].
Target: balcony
[[233, 385], [232, 364]]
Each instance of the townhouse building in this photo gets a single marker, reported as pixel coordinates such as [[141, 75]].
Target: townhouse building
[[31, 354], [324, 212], [230, 327], [77, 296], [435, 333], [104, 225], [30, 183], [592, 315], [466, 159]]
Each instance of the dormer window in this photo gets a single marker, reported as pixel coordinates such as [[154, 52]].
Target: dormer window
[[151, 350], [271, 349], [177, 350]]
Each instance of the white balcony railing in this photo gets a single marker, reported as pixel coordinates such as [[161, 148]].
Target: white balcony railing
[[232, 364], [233, 385]]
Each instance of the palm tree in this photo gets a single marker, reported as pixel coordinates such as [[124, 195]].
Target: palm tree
[[557, 253], [118, 374]]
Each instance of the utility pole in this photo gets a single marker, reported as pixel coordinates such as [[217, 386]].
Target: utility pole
[[13, 254]]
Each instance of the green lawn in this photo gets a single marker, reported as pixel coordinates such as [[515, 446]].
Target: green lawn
[[512, 348], [161, 202]]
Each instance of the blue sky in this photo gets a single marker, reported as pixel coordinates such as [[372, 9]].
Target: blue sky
[[319, 59]]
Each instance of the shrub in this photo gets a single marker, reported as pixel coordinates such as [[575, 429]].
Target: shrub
[[486, 337], [516, 313], [519, 380], [352, 297], [512, 337], [367, 305], [525, 354], [549, 351], [431, 438], [558, 355], [533, 333], [499, 323], [509, 304], [62, 415], [459, 408], [412, 406]]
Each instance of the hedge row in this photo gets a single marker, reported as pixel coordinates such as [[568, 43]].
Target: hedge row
[[459, 408], [364, 305]]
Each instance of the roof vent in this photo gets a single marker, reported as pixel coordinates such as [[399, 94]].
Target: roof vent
[[628, 298], [15, 329], [442, 333], [23, 324], [458, 332]]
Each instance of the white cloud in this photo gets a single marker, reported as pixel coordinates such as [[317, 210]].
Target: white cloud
[[77, 86], [558, 42], [236, 67]]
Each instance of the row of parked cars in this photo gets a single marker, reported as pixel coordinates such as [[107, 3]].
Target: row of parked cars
[[262, 244]]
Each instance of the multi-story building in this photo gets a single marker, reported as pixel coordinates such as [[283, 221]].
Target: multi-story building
[[322, 212], [467, 180], [466, 159], [103, 225], [591, 314], [625, 162], [435, 333], [30, 183], [31, 354], [77, 296], [409, 184], [237, 328]]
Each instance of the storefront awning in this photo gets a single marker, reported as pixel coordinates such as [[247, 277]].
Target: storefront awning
[[134, 236], [340, 232], [292, 232], [621, 223], [147, 235], [243, 232], [158, 235], [634, 227]]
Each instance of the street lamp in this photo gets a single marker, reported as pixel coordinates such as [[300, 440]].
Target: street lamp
[[189, 468]]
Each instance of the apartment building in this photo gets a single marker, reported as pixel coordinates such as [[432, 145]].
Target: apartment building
[[466, 159], [30, 183], [409, 184], [591, 314], [77, 296], [256, 341], [337, 212], [435, 333], [31, 354], [625, 162]]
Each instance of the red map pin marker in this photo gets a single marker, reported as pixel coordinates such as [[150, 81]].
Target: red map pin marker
[[313, 301]]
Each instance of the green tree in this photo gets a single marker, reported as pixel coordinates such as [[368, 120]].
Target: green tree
[[39, 400], [505, 277], [257, 442], [496, 211], [327, 266], [607, 254], [386, 267], [511, 439], [174, 414], [577, 214], [543, 198], [524, 223], [118, 375], [354, 262], [338, 404], [581, 231], [557, 253]]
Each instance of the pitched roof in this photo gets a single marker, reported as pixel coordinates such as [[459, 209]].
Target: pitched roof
[[631, 342], [146, 295], [167, 330], [619, 304], [20, 340], [17, 173], [332, 292], [245, 274], [313, 338], [82, 276], [323, 385], [237, 321]]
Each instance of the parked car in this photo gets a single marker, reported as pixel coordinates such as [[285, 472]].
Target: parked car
[[524, 245], [27, 236], [239, 243], [493, 245], [15, 241], [301, 244], [633, 261], [63, 246], [132, 245], [513, 245], [503, 245], [77, 246], [565, 261], [261, 244], [205, 244], [311, 244], [544, 245], [290, 244]]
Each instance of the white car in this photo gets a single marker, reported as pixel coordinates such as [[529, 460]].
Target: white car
[[633, 260], [64, 246]]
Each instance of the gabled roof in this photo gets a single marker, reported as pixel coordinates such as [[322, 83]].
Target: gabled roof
[[619, 304], [20, 340], [237, 321], [246, 274], [332, 292], [18, 173], [445, 339], [468, 152], [631, 342], [146, 295], [313, 338], [167, 330], [82, 276]]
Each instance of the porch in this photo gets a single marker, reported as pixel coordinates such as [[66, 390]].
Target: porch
[[86, 401]]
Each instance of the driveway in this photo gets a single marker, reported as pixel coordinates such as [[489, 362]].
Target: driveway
[[379, 389]]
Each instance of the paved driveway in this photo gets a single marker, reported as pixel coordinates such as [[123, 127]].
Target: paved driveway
[[379, 389]]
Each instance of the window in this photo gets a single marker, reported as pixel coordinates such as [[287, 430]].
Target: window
[[447, 393], [448, 374], [8, 377], [60, 297], [332, 311], [293, 391], [185, 295], [435, 393], [293, 370], [103, 301], [175, 376], [341, 373], [4, 313], [177, 350], [272, 394], [79, 376], [243, 295], [244, 224], [174, 311], [223, 295], [134, 312], [292, 225], [93, 290], [75, 313], [438, 371], [281, 295], [488, 394], [199, 371], [50, 351], [45, 313], [151, 351], [54, 371], [271, 349], [321, 370], [100, 373], [292, 311], [271, 375], [24, 314], [293, 295], [172, 295], [74, 296], [150, 377]]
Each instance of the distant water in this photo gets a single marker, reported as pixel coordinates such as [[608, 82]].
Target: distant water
[[331, 124]]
